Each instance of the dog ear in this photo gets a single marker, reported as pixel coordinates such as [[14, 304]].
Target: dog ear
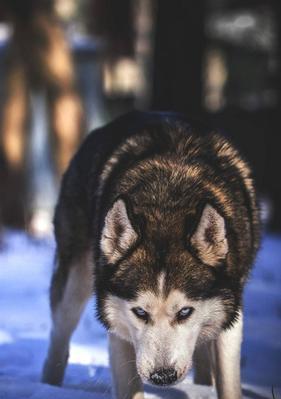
[[209, 239], [118, 234]]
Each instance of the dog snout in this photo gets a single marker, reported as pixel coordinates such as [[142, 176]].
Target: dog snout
[[164, 376]]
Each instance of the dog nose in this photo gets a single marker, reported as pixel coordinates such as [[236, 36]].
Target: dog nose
[[163, 376]]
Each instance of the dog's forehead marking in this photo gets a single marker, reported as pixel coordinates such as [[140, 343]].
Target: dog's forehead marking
[[161, 283]]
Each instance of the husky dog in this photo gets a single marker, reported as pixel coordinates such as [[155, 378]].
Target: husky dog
[[159, 218]]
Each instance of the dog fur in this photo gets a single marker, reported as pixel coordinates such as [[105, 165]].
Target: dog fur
[[159, 217]]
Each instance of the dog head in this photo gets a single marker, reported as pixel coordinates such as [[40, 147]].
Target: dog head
[[162, 290]]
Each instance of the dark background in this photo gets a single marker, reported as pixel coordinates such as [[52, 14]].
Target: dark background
[[214, 60]]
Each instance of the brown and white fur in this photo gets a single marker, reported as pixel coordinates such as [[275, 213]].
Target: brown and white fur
[[159, 218]]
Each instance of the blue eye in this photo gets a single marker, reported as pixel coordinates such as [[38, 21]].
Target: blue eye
[[184, 313], [140, 313]]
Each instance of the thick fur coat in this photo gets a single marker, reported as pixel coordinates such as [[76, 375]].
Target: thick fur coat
[[156, 207]]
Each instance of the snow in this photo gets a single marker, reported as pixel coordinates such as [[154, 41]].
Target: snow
[[25, 270]]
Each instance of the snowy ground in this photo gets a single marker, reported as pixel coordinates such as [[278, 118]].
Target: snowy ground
[[25, 269]]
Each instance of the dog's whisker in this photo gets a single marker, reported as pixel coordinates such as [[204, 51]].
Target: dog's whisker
[[127, 362]]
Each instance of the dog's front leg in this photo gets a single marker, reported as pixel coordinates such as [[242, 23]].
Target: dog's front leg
[[227, 361], [126, 381]]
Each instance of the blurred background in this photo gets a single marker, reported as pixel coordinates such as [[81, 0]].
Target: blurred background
[[68, 66]]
